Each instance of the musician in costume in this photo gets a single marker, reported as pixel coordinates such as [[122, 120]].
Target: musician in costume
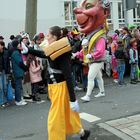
[[63, 117], [91, 17]]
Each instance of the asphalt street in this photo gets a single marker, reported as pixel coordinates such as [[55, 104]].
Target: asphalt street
[[30, 122]]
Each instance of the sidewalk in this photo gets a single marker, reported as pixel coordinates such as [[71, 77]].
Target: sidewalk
[[98, 133], [125, 128]]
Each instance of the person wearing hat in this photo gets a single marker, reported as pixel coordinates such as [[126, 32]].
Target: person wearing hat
[[132, 26], [76, 63], [42, 36]]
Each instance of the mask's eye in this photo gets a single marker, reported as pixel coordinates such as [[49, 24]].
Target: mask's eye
[[88, 6]]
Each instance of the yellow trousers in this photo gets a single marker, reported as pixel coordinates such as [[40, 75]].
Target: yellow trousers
[[62, 120]]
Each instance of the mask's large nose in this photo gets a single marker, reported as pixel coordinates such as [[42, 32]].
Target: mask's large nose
[[80, 17], [77, 10]]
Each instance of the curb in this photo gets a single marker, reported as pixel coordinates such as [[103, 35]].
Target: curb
[[115, 131]]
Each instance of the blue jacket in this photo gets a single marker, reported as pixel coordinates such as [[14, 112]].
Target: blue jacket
[[17, 64]]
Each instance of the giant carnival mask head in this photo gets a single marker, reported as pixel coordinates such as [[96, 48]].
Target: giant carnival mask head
[[92, 14]]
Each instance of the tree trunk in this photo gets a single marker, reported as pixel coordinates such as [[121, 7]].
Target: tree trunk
[[31, 17]]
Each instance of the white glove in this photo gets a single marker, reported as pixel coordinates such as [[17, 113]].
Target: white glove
[[73, 56], [88, 56], [85, 42], [74, 106], [25, 49]]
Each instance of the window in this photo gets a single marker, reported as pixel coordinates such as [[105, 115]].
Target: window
[[110, 15], [68, 11], [74, 4], [136, 13], [120, 12]]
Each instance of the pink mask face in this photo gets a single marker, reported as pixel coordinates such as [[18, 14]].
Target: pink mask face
[[90, 15]]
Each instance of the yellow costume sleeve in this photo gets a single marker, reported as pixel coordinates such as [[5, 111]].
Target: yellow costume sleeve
[[57, 48]]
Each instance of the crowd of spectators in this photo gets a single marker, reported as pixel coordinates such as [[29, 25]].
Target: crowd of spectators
[[28, 73]]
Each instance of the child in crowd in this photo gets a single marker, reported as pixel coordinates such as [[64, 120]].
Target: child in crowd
[[114, 46], [133, 54], [35, 76], [108, 54], [121, 55]]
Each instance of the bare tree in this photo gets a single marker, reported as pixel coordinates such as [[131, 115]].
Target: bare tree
[[31, 17]]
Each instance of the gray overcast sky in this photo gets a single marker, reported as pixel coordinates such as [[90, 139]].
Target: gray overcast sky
[[15, 9], [12, 9], [12, 16]]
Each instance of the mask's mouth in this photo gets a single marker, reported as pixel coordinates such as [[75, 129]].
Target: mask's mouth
[[82, 20], [85, 23]]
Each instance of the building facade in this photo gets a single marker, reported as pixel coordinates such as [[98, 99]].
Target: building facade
[[117, 15], [57, 12]]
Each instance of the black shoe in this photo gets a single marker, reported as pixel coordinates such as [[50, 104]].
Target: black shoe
[[133, 82], [122, 83], [48, 98], [43, 92], [36, 98], [85, 89], [137, 81], [86, 135], [25, 97]]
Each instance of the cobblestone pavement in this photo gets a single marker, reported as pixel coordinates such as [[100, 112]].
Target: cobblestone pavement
[[126, 128]]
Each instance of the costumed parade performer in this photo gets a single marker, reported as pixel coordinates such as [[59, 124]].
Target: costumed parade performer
[[63, 117], [91, 17]]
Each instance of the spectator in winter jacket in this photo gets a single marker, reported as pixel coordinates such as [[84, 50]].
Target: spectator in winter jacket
[[121, 55], [19, 69], [4, 72], [126, 37], [35, 76]]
